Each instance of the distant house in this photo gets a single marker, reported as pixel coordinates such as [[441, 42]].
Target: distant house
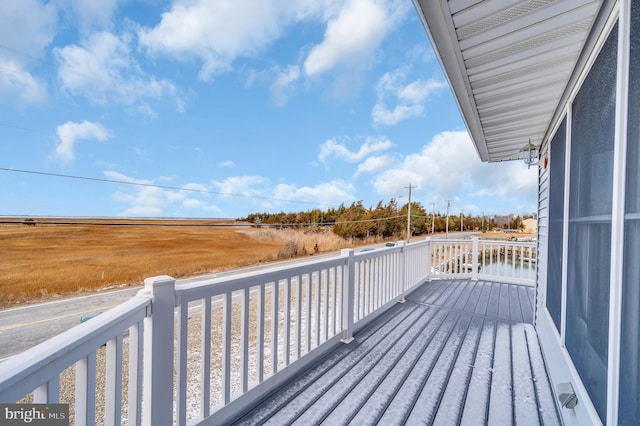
[[558, 83]]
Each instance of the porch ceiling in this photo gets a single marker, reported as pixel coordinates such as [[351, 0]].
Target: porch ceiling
[[508, 63]]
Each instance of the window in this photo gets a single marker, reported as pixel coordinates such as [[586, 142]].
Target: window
[[629, 404], [590, 202], [556, 223]]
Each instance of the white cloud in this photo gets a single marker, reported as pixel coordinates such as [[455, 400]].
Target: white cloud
[[352, 36], [26, 28], [104, 70], [244, 186], [228, 164], [387, 117], [216, 32], [70, 133], [375, 164], [284, 85], [420, 90], [324, 194], [332, 149], [449, 168], [506, 179], [144, 108], [408, 98], [146, 200], [199, 205], [263, 195], [19, 87], [92, 14]]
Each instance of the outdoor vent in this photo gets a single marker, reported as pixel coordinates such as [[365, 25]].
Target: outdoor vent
[[527, 44], [566, 395], [501, 18]]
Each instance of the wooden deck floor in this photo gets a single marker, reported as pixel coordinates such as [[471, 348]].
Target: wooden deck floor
[[456, 352]]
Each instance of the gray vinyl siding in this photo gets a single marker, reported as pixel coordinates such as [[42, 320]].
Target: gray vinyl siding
[[543, 230]]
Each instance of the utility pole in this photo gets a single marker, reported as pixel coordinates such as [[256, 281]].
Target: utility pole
[[409, 213], [448, 205], [482, 229], [461, 219], [433, 219]]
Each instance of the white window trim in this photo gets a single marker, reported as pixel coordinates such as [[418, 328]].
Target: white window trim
[[548, 333], [565, 226], [618, 211]]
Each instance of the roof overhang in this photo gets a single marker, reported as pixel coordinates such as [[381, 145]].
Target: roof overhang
[[508, 62]]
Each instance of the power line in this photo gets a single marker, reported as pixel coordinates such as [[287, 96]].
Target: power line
[[151, 185], [38, 132], [44, 61], [10, 126], [26, 55]]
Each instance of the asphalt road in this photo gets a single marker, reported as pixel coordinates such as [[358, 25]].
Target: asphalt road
[[26, 326]]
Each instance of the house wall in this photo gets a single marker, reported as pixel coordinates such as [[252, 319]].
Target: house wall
[[543, 228], [588, 317]]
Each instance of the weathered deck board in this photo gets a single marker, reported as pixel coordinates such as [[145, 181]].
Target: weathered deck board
[[457, 352]]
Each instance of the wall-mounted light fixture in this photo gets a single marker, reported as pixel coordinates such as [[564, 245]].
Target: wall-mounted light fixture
[[530, 154]]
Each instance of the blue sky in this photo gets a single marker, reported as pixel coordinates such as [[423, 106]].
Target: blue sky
[[198, 108]]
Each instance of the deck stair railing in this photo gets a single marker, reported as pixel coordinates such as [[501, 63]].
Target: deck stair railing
[[200, 353]]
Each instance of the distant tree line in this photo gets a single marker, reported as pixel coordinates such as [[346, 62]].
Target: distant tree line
[[384, 221]]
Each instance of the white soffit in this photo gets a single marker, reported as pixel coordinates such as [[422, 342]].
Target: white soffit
[[508, 63]]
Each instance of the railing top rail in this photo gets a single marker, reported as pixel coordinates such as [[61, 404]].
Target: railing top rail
[[221, 285], [20, 375], [217, 286], [508, 243], [468, 240], [485, 241]]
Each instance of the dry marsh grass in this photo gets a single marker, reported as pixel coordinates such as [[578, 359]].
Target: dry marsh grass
[[54, 260]]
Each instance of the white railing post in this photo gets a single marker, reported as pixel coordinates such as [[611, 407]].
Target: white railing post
[[157, 390], [405, 271], [428, 262], [348, 297], [474, 261], [48, 392]]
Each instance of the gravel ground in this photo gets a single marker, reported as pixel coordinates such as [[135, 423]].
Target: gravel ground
[[67, 377]]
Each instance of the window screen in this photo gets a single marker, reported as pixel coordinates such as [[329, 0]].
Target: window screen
[[556, 215], [590, 201]]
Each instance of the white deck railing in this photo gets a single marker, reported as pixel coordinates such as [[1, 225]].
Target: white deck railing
[[207, 350], [36, 373], [496, 260]]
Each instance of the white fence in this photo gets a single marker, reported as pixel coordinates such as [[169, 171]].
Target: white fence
[[36, 373], [207, 350], [495, 260]]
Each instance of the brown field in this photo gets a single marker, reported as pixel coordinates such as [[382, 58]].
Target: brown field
[[53, 260]]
